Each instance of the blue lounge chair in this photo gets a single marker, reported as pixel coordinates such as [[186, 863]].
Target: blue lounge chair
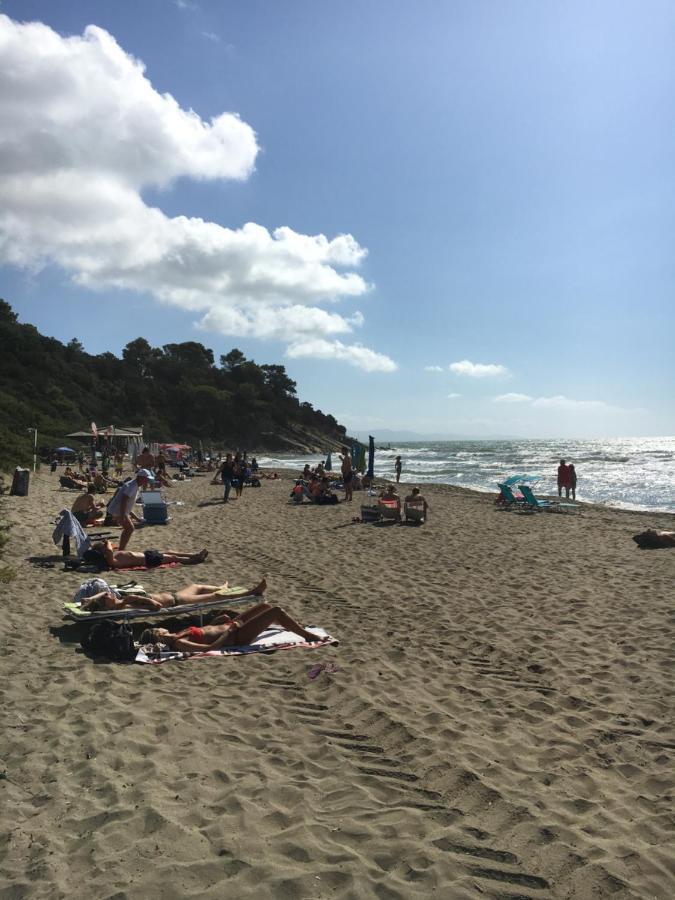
[[547, 505]]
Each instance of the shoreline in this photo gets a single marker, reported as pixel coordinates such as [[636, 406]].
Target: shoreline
[[442, 485]]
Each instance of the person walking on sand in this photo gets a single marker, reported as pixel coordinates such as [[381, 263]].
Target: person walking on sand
[[397, 468], [227, 474], [563, 479], [347, 472], [572, 472], [121, 506]]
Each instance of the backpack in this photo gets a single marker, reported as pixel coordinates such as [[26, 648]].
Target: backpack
[[115, 640]]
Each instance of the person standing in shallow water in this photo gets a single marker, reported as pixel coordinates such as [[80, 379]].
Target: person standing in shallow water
[[572, 472], [563, 478], [398, 465]]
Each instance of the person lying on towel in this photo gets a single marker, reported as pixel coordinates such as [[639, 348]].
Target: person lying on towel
[[227, 630], [654, 540], [193, 593], [102, 555]]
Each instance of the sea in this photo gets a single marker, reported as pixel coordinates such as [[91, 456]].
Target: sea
[[628, 473]]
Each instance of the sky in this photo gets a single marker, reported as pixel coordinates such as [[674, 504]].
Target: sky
[[446, 217]]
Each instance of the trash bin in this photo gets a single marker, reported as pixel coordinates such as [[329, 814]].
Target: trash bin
[[20, 482]]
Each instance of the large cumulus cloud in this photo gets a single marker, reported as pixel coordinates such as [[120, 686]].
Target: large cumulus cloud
[[84, 132]]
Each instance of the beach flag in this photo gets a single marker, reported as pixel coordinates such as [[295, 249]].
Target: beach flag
[[329, 463], [371, 456]]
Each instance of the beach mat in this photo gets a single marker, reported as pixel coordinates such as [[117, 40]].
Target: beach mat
[[271, 640]]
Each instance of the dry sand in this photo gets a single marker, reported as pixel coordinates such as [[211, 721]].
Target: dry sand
[[498, 727]]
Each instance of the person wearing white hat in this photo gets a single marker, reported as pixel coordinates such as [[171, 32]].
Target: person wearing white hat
[[120, 508]]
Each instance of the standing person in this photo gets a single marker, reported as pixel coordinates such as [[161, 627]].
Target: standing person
[[121, 506], [239, 474], [54, 463], [145, 459], [80, 461], [563, 478], [161, 462], [347, 472], [573, 481], [227, 474], [397, 468], [105, 463], [119, 463]]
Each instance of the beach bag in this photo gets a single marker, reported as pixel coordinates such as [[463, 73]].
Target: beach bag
[[89, 588], [114, 640]]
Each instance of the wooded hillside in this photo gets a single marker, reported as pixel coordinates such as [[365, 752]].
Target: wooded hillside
[[177, 392]]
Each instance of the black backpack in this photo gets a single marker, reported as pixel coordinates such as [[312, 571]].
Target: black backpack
[[114, 640]]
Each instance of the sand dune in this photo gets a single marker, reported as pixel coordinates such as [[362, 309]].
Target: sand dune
[[500, 724]]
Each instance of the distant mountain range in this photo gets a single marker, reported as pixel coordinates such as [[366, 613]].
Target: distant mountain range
[[391, 436]]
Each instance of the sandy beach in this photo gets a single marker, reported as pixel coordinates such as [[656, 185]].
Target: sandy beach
[[500, 725]]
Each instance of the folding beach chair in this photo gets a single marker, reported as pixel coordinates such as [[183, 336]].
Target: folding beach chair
[[413, 511], [546, 505]]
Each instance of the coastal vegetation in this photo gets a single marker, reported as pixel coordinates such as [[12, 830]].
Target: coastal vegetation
[[178, 392]]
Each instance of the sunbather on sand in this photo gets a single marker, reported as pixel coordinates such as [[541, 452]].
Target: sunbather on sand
[[86, 509], [227, 631], [104, 557], [390, 496], [193, 593], [654, 540]]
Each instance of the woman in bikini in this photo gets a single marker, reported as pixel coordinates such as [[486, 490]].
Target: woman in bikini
[[103, 556], [113, 599], [228, 631], [347, 472]]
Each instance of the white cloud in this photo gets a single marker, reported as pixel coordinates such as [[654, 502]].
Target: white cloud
[[512, 398], [355, 355], [453, 396], [84, 132], [433, 368], [477, 370], [566, 403], [211, 36], [561, 403]]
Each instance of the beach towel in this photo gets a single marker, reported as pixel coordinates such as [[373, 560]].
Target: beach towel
[[269, 641], [73, 609], [68, 526]]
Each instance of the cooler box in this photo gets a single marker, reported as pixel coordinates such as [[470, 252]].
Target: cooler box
[[154, 508]]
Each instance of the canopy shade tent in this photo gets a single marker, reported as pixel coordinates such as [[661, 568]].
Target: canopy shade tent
[[112, 431]]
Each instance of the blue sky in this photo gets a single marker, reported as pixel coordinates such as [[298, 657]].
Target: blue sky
[[506, 172]]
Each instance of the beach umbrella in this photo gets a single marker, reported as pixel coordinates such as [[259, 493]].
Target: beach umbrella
[[361, 461], [329, 463], [371, 456], [64, 450]]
